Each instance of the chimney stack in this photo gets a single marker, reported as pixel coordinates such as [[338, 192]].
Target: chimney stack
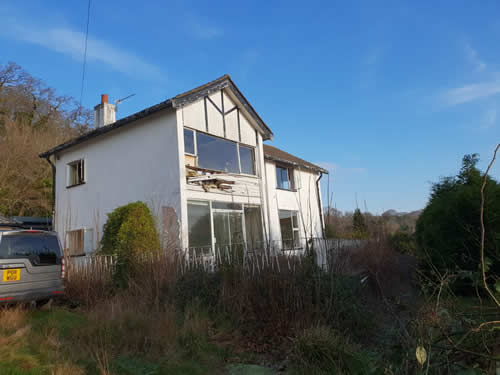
[[104, 113]]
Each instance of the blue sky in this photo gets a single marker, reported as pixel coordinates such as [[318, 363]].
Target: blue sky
[[388, 97]]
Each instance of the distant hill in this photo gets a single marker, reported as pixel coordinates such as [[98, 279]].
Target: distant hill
[[391, 212]]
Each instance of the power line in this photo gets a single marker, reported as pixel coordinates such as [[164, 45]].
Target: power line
[[84, 56]]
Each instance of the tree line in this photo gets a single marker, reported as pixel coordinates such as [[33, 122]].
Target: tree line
[[33, 118]]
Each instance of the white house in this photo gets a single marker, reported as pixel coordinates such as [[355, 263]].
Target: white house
[[199, 161]]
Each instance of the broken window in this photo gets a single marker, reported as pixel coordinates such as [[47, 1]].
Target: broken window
[[199, 224], [247, 160], [75, 242], [79, 242], [76, 173], [214, 153], [284, 177], [290, 235], [189, 141], [253, 227]]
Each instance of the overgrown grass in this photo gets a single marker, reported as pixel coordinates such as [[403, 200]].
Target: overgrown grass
[[289, 315], [115, 338]]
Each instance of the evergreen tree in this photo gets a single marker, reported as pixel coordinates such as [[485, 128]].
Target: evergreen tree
[[448, 232], [360, 229]]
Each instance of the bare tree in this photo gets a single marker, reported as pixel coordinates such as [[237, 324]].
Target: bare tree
[[33, 118]]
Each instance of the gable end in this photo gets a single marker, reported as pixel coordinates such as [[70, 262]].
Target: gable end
[[222, 83]]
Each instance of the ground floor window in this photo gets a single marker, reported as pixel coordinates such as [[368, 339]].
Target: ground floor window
[[290, 234], [199, 224], [224, 225], [253, 227], [79, 242]]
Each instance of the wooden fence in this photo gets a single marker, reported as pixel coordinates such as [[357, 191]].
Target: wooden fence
[[273, 256]]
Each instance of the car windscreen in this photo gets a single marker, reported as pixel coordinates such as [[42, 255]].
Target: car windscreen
[[39, 248]]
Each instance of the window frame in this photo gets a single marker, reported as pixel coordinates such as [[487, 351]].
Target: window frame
[[208, 204], [295, 230], [238, 145], [69, 176], [86, 242], [217, 206], [69, 249], [290, 175], [194, 142], [252, 154]]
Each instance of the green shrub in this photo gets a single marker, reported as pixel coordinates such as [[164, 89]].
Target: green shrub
[[137, 234], [129, 233], [109, 241], [448, 232], [403, 242]]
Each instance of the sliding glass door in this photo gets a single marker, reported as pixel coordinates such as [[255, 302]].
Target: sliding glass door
[[228, 229], [226, 225]]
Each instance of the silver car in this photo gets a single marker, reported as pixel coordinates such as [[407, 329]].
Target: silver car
[[31, 265]]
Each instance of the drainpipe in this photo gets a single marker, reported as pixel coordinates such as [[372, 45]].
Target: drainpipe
[[266, 196], [319, 205], [53, 190]]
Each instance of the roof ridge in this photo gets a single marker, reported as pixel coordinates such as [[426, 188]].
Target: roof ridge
[[201, 87]]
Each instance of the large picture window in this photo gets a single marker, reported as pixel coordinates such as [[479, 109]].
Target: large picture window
[[217, 153], [214, 153], [290, 234]]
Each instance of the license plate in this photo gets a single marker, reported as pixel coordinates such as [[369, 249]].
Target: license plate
[[12, 275]]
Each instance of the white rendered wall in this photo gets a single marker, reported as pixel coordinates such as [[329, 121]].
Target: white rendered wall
[[138, 162], [304, 200]]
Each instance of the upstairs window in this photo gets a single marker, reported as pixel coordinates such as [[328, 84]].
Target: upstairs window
[[189, 141], [284, 178], [218, 154], [76, 173], [247, 160]]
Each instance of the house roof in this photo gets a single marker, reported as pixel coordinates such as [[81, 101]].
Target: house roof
[[277, 155], [177, 101]]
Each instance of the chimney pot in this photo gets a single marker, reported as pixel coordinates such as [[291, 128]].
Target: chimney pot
[[104, 98]]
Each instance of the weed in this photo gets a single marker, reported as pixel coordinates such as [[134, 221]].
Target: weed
[[12, 318], [321, 350]]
